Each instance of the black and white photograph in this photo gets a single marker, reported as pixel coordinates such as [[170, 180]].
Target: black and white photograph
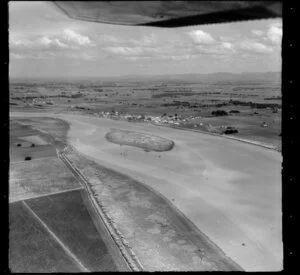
[[145, 136]]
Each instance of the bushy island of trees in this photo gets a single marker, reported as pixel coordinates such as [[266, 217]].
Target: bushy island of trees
[[177, 103], [224, 113], [219, 113], [230, 130], [254, 104]]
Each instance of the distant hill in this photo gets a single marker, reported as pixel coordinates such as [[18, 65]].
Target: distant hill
[[213, 77]]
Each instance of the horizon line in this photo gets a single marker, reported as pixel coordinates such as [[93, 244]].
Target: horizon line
[[139, 75]]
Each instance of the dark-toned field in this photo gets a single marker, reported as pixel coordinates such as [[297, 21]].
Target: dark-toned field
[[31, 248], [67, 217], [34, 249]]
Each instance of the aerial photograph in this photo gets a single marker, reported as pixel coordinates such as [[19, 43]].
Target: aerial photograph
[[145, 136]]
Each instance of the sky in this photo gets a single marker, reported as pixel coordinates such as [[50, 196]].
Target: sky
[[46, 43]]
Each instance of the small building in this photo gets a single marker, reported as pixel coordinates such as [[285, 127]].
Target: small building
[[264, 124]]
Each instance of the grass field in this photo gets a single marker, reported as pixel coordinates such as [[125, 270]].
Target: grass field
[[31, 248], [40, 151], [22, 136], [44, 173], [17, 129], [33, 178], [56, 128], [35, 139], [51, 229], [68, 218]]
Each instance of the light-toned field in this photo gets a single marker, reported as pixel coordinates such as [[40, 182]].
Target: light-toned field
[[40, 177], [35, 139], [230, 190]]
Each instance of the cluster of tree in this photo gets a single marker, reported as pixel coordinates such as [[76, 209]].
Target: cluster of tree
[[25, 84], [77, 95], [173, 94], [230, 130], [221, 104], [272, 98], [180, 103], [81, 108], [248, 88], [254, 104], [48, 96], [219, 113]]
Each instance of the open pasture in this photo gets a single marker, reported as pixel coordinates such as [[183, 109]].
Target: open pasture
[[18, 154], [68, 217], [31, 248], [56, 128], [17, 129], [35, 140], [35, 178], [56, 233]]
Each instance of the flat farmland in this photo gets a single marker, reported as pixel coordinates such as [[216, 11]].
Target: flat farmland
[[40, 151], [56, 128], [22, 136], [53, 226], [35, 139], [34, 178], [31, 248], [256, 97], [249, 126], [67, 216], [17, 129]]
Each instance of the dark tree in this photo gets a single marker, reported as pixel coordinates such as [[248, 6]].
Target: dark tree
[[230, 130], [219, 113]]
